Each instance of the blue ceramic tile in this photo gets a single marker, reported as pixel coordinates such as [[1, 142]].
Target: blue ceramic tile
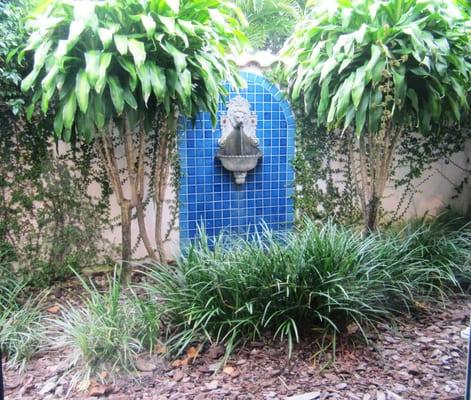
[[208, 195]]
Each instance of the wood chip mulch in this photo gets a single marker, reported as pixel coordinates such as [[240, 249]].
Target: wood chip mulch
[[414, 359]]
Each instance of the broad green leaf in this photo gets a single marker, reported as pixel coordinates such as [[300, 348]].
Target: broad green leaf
[[84, 10], [358, 86], [179, 58], [58, 124], [327, 68], [174, 5], [68, 110], [400, 87], [129, 67], [105, 60], [169, 24], [360, 116], [28, 82], [49, 79], [375, 55], [99, 112], [75, 30], [138, 51], [121, 43], [324, 98], [117, 95], [185, 82], [149, 24], [344, 96], [129, 98], [106, 37], [158, 81], [82, 90], [143, 73], [41, 54], [92, 66]]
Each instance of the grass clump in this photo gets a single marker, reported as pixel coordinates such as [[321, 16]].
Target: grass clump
[[106, 332], [319, 279], [21, 324]]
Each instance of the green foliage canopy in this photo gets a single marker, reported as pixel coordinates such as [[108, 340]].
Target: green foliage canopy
[[105, 58], [360, 63]]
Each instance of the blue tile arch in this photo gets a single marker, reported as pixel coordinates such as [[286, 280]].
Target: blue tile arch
[[208, 195]]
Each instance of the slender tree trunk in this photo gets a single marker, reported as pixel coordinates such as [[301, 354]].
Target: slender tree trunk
[[126, 243]]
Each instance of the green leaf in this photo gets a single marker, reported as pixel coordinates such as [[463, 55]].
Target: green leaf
[[28, 82], [75, 30], [105, 60], [99, 112], [58, 124], [68, 111], [149, 24], [179, 58], [375, 55], [131, 70], [360, 116], [106, 37], [92, 66], [117, 95], [169, 24], [327, 68], [121, 43], [185, 82], [82, 89], [400, 87], [129, 98], [174, 5], [138, 51], [358, 86], [158, 80], [146, 81], [324, 99]]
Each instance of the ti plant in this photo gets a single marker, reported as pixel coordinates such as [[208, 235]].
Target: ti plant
[[376, 70], [119, 72]]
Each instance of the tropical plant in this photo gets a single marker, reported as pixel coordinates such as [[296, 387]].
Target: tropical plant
[[270, 22], [376, 70], [119, 72]]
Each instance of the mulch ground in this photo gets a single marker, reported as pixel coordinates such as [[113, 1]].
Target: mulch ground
[[416, 359]]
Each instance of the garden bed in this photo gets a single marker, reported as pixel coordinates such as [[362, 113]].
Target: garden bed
[[421, 358]]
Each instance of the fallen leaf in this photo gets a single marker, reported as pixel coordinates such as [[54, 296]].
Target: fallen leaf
[[103, 375], [352, 328], [160, 348], [178, 375], [229, 370], [176, 363], [145, 366], [192, 352], [54, 309], [99, 390], [213, 385], [216, 350]]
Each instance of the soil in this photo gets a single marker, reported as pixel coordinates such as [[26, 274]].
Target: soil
[[416, 359]]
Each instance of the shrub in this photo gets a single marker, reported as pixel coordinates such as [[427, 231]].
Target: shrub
[[52, 225], [323, 278], [106, 333]]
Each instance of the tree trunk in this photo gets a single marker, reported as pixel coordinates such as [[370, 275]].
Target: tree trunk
[[126, 246], [371, 215]]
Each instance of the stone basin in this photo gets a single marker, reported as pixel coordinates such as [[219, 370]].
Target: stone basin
[[239, 164]]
